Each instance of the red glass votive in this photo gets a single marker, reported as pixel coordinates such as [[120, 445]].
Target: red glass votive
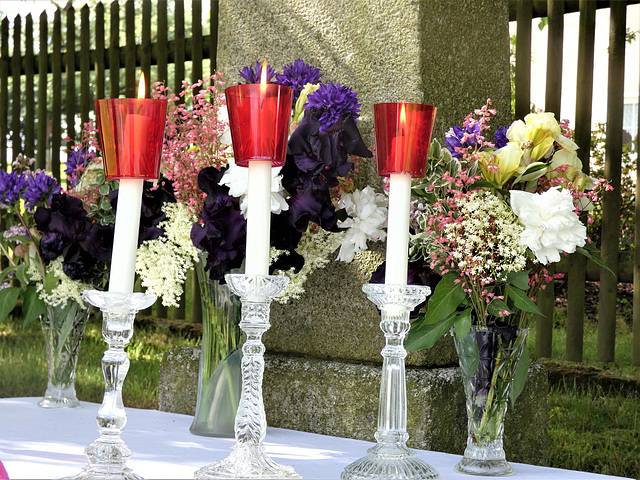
[[259, 121], [403, 140], [131, 132]]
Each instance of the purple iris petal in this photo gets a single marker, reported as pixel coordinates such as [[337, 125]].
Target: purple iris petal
[[455, 138], [40, 189], [500, 138], [76, 163], [331, 102]]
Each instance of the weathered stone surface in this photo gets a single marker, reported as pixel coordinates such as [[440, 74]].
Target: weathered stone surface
[[341, 399], [178, 387]]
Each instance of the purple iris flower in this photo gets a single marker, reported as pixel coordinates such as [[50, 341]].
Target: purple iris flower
[[500, 138], [455, 138], [76, 163], [11, 187], [332, 102], [296, 75], [252, 74], [40, 189], [224, 230]]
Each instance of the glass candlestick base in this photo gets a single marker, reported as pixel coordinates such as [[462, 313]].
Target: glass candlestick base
[[390, 458], [248, 459], [108, 454]]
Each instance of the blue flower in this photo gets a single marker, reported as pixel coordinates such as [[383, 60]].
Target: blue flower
[[455, 138], [40, 189], [331, 102], [252, 74], [11, 187], [76, 163], [296, 75], [500, 138]]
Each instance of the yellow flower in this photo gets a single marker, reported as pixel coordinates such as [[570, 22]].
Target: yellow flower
[[308, 89], [500, 165], [537, 132]]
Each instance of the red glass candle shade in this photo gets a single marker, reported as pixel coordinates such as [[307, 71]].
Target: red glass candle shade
[[403, 140], [259, 121], [131, 132]]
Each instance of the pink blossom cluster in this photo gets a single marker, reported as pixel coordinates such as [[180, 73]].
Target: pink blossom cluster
[[192, 136]]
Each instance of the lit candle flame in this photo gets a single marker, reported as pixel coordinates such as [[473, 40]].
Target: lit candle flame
[[263, 75], [141, 86], [403, 118]]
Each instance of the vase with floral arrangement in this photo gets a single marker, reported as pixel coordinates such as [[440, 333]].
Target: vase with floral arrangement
[[488, 217]]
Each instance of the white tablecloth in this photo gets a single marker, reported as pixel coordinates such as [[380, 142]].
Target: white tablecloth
[[42, 443]]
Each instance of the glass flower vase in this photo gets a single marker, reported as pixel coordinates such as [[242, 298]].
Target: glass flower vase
[[390, 458], [488, 358], [63, 328], [219, 377]]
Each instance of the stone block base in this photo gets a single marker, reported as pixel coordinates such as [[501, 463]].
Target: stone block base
[[341, 399]]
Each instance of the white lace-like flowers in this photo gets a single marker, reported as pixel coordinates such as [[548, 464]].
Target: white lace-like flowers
[[367, 211], [550, 222], [237, 179]]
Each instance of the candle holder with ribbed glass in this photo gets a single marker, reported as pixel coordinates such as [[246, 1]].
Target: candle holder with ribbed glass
[[249, 459], [390, 458], [108, 454]]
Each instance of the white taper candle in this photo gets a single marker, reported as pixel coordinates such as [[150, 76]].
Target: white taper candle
[[125, 238], [258, 218], [398, 229]]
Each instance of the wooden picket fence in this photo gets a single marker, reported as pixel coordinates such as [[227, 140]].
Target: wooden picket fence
[[38, 94]]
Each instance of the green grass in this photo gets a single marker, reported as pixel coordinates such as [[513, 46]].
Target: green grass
[[23, 362]]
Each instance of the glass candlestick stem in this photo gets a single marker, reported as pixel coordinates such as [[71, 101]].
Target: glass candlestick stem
[[108, 454], [248, 459], [390, 458]]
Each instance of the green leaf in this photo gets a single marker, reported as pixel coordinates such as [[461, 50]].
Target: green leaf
[[8, 299], [105, 205], [519, 279], [104, 189], [585, 251], [426, 335], [50, 282], [21, 274], [32, 306], [520, 375], [462, 325], [496, 307], [522, 301], [100, 178], [469, 356], [447, 296]]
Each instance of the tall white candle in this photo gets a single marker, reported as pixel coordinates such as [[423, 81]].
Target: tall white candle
[[125, 239], [258, 218], [398, 229]]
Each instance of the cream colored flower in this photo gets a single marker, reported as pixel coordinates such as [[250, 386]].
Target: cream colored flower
[[500, 165]]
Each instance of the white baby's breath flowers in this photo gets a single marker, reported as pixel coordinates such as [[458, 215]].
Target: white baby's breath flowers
[[163, 263], [58, 289], [367, 211], [237, 179], [316, 248], [551, 224]]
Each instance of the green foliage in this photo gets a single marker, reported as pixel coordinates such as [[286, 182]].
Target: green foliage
[[627, 208]]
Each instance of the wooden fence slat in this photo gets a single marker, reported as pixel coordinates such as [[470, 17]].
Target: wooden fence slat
[[16, 59], [162, 51], [56, 94], [114, 51], [196, 40], [85, 66], [145, 51], [213, 35], [70, 71], [523, 58], [635, 350], [576, 275], [179, 50], [611, 200], [43, 68], [29, 89], [4, 92], [99, 57], [130, 50]]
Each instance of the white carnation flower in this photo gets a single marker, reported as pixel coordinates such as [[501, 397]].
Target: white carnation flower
[[367, 212], [237, 179], [551, 224]]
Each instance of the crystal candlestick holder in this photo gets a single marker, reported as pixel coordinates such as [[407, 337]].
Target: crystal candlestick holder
[[248, 459], [390, 458], [108, 454]]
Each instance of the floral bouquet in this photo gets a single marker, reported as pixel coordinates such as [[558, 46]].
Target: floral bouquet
[[489, 216]]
